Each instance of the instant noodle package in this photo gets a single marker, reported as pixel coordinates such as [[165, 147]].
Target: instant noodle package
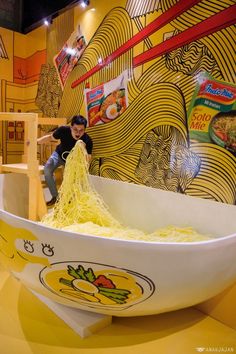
[[212, 113]]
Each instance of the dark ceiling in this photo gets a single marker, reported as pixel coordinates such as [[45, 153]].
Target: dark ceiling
[[34, 11], [25, 15]]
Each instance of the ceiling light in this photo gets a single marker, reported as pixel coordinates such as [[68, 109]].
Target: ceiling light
[[47, 21], [84, 3]]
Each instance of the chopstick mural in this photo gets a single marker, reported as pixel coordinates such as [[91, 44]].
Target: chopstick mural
[[149, 142], [212, 24]]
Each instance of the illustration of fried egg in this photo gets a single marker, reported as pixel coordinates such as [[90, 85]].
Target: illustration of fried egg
[[111, 111], [95, 285]]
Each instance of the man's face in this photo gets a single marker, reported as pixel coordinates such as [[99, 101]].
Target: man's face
[[77, 130]]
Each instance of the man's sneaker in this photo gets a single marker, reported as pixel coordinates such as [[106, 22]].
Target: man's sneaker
[[52, 201]]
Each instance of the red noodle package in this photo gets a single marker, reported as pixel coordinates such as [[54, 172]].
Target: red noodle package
[[212, 113], [107, 101]]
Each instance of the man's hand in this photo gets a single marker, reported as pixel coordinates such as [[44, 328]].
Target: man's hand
[[88, 157]]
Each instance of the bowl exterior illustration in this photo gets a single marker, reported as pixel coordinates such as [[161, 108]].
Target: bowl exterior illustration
[[120, 277]]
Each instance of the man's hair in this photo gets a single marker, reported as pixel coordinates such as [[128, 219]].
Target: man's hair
[[79, 120]]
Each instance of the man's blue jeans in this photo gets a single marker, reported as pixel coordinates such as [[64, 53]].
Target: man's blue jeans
[[51, 165]]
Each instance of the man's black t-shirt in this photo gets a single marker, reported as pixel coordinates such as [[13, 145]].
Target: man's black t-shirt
[[68, 142]]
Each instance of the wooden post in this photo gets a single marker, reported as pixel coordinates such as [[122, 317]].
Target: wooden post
[[24, 156]]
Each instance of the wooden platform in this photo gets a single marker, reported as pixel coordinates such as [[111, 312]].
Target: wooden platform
[[18, 168]]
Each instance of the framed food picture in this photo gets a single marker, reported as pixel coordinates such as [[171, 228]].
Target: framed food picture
[[107, 101], [67, 58]]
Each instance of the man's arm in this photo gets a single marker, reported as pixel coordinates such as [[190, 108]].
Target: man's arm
[[89, 157], [46, 139]]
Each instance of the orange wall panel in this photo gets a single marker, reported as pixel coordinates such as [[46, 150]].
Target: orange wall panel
[[28, 70], [19, 70]]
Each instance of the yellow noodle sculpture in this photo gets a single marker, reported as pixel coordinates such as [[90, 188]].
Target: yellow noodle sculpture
[[81, 209]]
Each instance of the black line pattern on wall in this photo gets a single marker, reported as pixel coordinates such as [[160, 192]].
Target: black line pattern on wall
[[3, 51], [149, 143]]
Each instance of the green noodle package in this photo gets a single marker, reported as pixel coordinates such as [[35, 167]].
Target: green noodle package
[[212, 113]]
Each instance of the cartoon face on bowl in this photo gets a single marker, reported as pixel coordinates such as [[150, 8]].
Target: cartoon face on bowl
[[96, 285], [19, 247]]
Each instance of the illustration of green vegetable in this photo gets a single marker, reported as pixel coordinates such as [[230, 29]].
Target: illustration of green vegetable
[[102, 284]]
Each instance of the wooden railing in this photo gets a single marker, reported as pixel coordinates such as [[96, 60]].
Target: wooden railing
[[30, 165]]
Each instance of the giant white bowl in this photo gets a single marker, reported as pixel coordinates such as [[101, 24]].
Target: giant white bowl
[[120, 277]]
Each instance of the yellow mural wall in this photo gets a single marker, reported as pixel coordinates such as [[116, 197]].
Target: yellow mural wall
[[90, 18], [19, 76], [6, 67], [149, 142]]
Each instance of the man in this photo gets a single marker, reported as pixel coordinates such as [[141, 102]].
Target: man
[[68, 136]]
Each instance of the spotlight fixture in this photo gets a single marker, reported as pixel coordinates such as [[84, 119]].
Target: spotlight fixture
[[84, 3], [47, 21]]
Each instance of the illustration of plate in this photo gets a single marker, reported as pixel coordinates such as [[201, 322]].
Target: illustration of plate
[[97, 285]]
